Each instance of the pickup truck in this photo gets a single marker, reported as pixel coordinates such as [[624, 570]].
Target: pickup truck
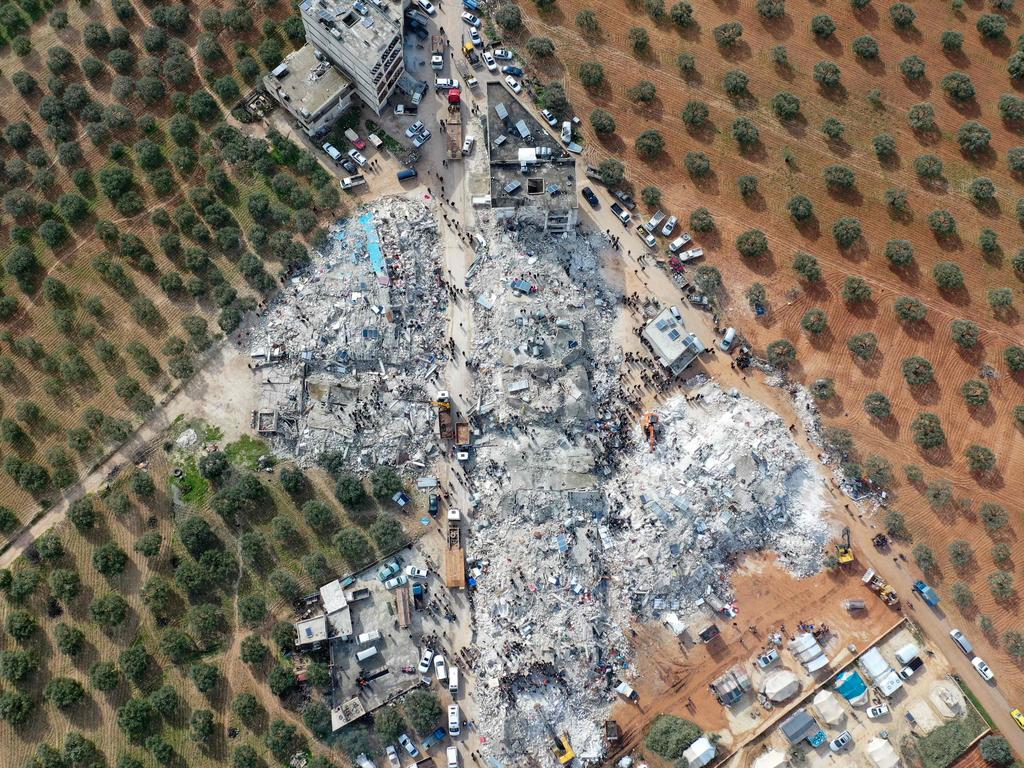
[[655, 221], [912, 666], [622, 215], [646, 236], [352, 181], [434, 738], [927, 594], [625, 199]]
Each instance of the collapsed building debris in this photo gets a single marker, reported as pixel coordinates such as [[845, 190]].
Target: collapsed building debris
[[578, 528], [346, 350]]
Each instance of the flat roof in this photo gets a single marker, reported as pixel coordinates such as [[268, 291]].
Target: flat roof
[[313, 630], [372, 24], [305, 82], [340, 622], [333, 596], [672, 344]]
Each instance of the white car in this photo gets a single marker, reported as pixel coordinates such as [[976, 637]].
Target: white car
[[878, 711], [445, 83], [467, 145], [453, 757], [728, 339], [670, 226], [513, 84], [393, 756], [425, 659], [454, 716], [399, 580], [502, 53], [840, 742], [474, 35], [982, 667], [357, 157], [399, 110], [422, 138], [492, 65], [470, 19], [440, 667], [414, 572], [406, 742], [549, 117], [427, 6], [413, 129]]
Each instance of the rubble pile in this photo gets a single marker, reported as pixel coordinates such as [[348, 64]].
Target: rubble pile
[[725, 477], [578, 527], [346, 349]]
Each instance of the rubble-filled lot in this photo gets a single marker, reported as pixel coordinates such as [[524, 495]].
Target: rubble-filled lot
[[348, 348], [579, 529]]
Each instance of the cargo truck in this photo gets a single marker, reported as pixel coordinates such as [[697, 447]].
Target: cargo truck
[[437, 47], [445, 427], [453, 125], [462, 433], [455, 555]]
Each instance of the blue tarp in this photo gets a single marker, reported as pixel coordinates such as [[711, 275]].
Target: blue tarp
[[850, 684]]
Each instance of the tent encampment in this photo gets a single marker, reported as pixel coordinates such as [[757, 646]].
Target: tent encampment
[[773, 758], [780, 685], [700, 753], [828, 707], [882, 754]]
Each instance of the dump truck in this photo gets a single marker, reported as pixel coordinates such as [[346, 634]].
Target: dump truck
[[453, 125], [462, 433], [437, 47], [455, 555], [445, 427]]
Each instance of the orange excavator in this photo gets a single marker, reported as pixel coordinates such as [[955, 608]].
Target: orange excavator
[[650, 424]]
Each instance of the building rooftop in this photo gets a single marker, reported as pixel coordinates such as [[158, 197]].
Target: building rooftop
[[333, 596], [312, 630], [375, 24], [305, 82], [674, 347]]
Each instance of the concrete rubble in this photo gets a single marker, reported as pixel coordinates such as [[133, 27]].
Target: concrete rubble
[[578, 528], [347, 350]]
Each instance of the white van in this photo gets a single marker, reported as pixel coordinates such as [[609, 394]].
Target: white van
[[679, 242], [728, 339], [454, 720], [453, 757], [453, 680], [332, 152], [368, 638], [367, 654]]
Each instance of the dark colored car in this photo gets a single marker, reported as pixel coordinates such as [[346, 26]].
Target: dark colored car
[[348, 165], [432, 504], [508, 69], [625, 199], [589, 196]]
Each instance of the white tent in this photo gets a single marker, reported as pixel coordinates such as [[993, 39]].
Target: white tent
[[780, 685], [882, 754], [700, 753], [771, 759], [828, 706]]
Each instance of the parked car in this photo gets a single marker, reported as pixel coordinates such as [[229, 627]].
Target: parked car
[[414, 572], [452, 755], [961, 639], [332, 151], [348, 165], [427, 6], [510, 70], [1018, 717], [399, 110], [470, 19], [393, 756], [621, 196], [474, 35], [425, 659], [670, 225], [549, 117], [912, 666], [389, 570], [590, 197], [840, 742], [398, 581], [445, 84], [357, 157], [878, 711], [765, 659], [440, 667], [433, 502], [406, 742], [983, 669], [454, 716], [467, 145], [489, 61], [502, 53], [422, 138], [513, 84], [728, 340], [622, 214]]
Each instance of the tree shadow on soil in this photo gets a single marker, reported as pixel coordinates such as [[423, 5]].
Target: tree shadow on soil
[[868, 17], [926, 394], [779, 29]]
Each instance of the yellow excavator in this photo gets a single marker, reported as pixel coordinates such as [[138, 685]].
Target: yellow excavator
[[844, 552], [560, 746]]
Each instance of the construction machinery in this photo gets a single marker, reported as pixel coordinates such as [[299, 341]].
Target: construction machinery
[[560, 746], [445, 426], [844, 552], [650, 425], [877, 584]]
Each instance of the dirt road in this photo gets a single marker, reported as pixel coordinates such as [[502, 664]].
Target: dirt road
[[223, 392]]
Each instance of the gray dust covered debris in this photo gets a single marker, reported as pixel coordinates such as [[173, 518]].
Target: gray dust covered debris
[[348, 347]]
